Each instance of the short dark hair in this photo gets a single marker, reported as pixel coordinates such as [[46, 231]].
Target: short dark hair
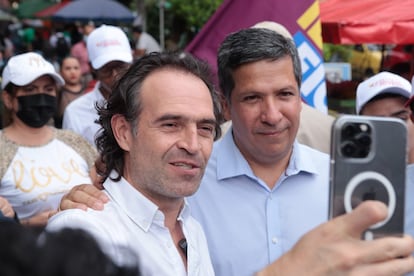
[[137, 29], [125, 100], [250, 45], [70, 252], [69, 246]]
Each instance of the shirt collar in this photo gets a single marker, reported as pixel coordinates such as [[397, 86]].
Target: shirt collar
[[138, 208], [302, 160], [231, 163]]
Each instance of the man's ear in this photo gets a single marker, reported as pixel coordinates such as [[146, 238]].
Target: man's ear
[[122, 131]]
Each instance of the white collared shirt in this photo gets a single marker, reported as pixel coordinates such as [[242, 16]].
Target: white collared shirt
[[131, 227]]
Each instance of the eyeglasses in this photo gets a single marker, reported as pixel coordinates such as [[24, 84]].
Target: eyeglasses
[[112, 68]]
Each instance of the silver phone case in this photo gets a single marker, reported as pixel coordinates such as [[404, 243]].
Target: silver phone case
[[378, 176]]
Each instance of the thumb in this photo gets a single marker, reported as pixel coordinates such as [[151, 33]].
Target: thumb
[[363, 216]]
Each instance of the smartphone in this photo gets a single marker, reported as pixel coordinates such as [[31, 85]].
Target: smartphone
[[368, 162]]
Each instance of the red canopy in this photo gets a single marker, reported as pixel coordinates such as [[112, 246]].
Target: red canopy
[[367, 21]]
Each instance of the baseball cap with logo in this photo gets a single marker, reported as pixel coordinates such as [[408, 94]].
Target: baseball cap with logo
[[106, 44], [24, 68], [384, 82]]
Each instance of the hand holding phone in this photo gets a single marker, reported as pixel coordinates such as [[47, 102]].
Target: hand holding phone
[[368, 161]]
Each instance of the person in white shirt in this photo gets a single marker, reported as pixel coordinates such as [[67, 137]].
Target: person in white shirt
[[145, 43], [110, 54], [155, 146], [38, 163]]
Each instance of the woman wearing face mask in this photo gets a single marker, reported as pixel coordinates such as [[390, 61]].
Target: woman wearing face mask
[[38, 163]]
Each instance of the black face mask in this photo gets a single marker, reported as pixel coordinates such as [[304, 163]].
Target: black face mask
[[36, 110]]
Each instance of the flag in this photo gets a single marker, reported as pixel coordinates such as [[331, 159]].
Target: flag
[[300, 17]]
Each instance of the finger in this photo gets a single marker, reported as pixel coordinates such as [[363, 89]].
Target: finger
[[78, 200], [362, 217], [52, 213], [384, 249], [82, 197], [6, 208], [94, 192], [66, 204], [8, 211], [393, 267]]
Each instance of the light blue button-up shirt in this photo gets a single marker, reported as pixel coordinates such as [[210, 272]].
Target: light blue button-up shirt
[[247, 225]]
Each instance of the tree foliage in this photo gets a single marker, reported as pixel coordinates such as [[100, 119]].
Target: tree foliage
[[183, 19], [337, 52], [196, 12]]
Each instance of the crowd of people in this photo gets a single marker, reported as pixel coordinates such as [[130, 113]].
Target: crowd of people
[[139, 164]]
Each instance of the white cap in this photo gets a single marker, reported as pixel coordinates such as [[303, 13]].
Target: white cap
[[384, 82], [274, 26], [106, 44], [25, 68]]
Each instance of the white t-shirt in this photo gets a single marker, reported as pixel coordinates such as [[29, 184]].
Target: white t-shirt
[[131, 229], [80, 115], [38, 177], [147, 42]]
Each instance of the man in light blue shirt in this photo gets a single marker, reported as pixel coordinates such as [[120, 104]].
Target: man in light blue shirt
[[263, 190], [244, 219]]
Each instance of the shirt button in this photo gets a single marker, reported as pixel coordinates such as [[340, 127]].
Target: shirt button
[[275, 240]]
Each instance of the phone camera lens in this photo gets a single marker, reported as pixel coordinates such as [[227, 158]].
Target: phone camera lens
[[350, 130], [348, 148], [363, 139], [356, 139]]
